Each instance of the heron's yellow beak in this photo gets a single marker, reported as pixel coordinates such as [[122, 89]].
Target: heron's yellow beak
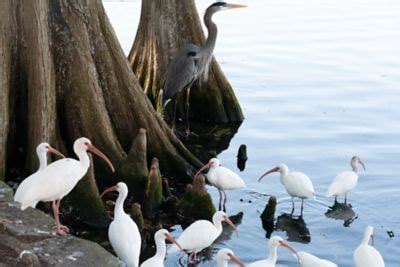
[[236, 6]]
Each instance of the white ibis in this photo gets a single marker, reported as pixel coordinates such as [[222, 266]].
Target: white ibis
[[366, 255], [297, 184], [273, 244], [158, 259], [61, 176], [345, 181], [224, 255], [25, 193], [201, 234], [123, 232], [222, 178], [309, 260]]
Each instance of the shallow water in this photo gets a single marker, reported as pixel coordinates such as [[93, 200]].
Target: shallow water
[[318, 82]]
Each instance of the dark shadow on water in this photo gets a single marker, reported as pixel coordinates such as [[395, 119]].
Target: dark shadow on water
[[295, 228], [209, 139], [343, 212]]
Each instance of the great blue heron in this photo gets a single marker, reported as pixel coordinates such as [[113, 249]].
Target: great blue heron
[[192, 62]]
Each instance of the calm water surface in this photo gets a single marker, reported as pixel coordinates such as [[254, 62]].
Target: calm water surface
[[318, 81]]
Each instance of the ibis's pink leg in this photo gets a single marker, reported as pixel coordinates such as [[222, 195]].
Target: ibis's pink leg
[[57, 219], [345, 198], [302, 206], [191, 257], [58, 225]]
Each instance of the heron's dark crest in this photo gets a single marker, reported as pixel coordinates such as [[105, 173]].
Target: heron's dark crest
[[218, 4]]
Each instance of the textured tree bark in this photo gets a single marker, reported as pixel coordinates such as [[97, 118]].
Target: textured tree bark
[[165, 26], [64, 75]]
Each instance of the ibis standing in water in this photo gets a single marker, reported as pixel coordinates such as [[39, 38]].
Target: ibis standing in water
[[297, 184], [123, 232], [61, 176], [27, 190], [158, 259], [192, 62], [222, 178], [201, 234], [366, 255], [309, 260], [345, 181], [225, 255], [273, 245]]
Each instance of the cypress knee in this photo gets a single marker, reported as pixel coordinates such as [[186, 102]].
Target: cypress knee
[[153, 194]]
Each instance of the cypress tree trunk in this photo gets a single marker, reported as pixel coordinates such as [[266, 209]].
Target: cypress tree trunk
[[165, 26], [64, 75]]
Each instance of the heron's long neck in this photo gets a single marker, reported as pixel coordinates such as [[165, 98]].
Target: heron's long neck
[[222, 262], [273, 251], [119, 204], [161, 249], [212, 33], [42, 160]]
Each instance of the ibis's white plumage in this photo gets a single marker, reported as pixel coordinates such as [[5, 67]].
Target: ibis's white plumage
[[225, 255], [29, 191], [223, 178], [309, 260], [158, 259], [273, 244], [123, 232], [366, 255], [345, 181], [200, 234]]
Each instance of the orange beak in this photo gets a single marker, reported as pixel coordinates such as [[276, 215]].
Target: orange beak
[[235, 6], [55, 151], [173, 240], [226, 219], [207, 166], [284, 244], [94, 150], [110, 189], [268, 172], [235, 259]]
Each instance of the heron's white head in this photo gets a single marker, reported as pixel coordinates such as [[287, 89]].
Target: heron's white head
[[212, 163], [220, 6], [355, 162], [276, 241], [83, 144], [226, 254], [43, 148], [369, 234], [163, 234], [221, 216], [281, 168]]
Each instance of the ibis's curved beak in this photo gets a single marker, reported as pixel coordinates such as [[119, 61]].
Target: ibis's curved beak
[[173, 240], [55, 151], [268, 172], [286, 245], [231, 6], [110, 189], [228, 221], [94, 150], [235, 259], [208, 165]]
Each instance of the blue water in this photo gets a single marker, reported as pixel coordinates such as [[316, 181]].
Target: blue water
[[319, 82]]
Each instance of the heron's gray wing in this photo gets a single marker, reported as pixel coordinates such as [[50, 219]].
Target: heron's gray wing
[[181, 71]]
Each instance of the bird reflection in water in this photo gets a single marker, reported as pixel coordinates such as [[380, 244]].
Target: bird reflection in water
[[295, 228], [342, 211]]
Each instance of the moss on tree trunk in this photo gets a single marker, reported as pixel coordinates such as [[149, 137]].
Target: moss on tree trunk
[[64, 75], [166, 26]]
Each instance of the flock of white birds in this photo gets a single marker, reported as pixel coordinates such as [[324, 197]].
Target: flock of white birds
[[50, 183]]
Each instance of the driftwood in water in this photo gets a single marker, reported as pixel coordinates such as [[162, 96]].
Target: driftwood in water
[[268, 216], [164, 28], [242, 157]]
